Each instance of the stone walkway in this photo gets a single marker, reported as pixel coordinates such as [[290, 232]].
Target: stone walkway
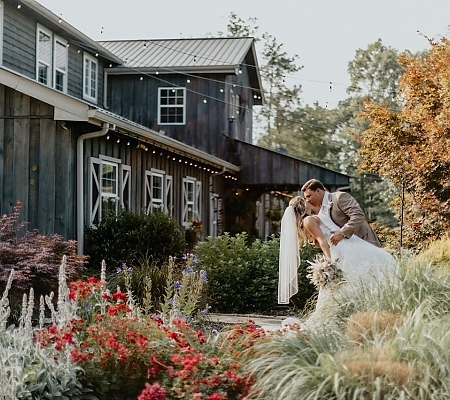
[[269, 323]]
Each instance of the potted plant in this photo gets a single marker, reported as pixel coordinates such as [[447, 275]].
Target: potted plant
[[194, 231]]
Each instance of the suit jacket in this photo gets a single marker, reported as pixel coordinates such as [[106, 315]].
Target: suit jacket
[[348, 215]]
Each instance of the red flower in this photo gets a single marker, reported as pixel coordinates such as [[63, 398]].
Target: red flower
[[153, 392]]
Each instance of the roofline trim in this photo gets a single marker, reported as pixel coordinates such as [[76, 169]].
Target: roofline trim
[[70, 108], [99, 117], [49, 15]]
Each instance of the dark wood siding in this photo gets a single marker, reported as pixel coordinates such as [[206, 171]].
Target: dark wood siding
[[270, 169], [206, 125], [19, 41], [161, 159], [19, 51], [37, 164]]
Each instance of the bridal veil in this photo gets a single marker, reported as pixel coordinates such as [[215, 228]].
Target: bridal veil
[[289, 260]]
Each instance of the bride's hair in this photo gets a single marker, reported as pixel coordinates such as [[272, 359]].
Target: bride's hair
[[298, 203]]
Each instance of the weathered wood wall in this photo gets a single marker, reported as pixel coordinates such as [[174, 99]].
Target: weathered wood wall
[[161, 159], [37, 164], [19, 50], [207, 125]]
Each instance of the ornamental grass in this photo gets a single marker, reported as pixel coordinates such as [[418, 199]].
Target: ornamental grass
[[391, 342]]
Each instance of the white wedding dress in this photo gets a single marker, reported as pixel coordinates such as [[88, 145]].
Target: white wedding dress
[[361, 263]]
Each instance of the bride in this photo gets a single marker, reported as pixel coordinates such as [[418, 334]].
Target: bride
[[359, 260]]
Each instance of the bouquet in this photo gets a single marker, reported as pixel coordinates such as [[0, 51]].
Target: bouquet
[[324, 272]]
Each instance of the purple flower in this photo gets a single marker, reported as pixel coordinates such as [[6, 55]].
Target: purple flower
[[203, 276], [188, 271], [177, 285]]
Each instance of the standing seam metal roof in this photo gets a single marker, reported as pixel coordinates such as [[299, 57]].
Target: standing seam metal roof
[[176, 53]]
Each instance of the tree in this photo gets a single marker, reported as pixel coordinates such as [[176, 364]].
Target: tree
[[374, 74], [411, 146]]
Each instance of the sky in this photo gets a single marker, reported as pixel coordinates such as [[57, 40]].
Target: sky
[[325, 34]]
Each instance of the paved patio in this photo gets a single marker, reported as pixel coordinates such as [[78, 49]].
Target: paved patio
[[269, 323]]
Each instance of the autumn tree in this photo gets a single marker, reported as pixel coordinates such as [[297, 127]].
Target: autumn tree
[[411, 145]]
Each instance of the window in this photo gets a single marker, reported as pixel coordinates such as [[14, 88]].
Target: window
[[90, 70], [52, 59], [171, 106], [44, 58], [158, 191], [109, 187], [60, 65], [191, 200]]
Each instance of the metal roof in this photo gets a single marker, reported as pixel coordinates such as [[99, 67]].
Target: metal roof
[[181, 53]]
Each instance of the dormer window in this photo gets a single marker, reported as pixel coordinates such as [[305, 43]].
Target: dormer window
[[171, 106], [52, 60]]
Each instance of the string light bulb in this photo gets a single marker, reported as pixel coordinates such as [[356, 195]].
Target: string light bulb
[[118, 140], [107, 137], [19, 6]]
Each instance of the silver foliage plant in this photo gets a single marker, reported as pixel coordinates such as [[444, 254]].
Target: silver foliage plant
[[27, 370]]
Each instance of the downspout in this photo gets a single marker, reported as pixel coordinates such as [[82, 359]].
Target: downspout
[[80, 183]]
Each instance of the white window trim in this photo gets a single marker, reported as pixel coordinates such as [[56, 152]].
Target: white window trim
[[63, 42], [123, 186], [196, 203], [38, 60], [166, 201], [2, 17], [172, 106], [87, 56]]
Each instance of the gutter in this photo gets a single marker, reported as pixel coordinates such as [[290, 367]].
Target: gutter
[[80, 183]]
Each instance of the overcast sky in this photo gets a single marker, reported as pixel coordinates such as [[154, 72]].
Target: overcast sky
[[324, 33]]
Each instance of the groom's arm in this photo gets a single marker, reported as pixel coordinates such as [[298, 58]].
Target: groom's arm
[[350, 207]]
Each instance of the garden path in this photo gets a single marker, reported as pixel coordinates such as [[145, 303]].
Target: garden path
[[268, 323]]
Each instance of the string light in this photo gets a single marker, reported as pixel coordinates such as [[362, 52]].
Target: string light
[[19, 6], [118, 140], [107, 137]]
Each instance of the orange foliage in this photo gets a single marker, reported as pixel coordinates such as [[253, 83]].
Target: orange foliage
[[412, 146]]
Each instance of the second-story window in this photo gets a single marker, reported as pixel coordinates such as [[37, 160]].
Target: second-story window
[[90, 72], [52, 59], [44, 56], [60, 64], [171, 106]]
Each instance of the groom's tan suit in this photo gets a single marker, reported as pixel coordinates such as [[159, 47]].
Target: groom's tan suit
[[345, 212]]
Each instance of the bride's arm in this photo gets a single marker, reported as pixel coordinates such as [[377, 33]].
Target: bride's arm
[[311, 224]]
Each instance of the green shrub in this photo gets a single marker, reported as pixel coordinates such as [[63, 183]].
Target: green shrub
[[244, 277], [125, 237]]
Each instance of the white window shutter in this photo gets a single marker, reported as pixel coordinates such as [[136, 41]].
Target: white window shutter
[[148, 192], [125, 186], [95, 193], [198, 200], [168, 196], [184, 216]]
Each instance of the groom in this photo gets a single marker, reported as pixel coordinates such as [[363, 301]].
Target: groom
[[343, 209]]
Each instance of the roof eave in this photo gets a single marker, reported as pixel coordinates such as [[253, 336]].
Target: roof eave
[[98, 117], [72, 31], [126, 70]]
